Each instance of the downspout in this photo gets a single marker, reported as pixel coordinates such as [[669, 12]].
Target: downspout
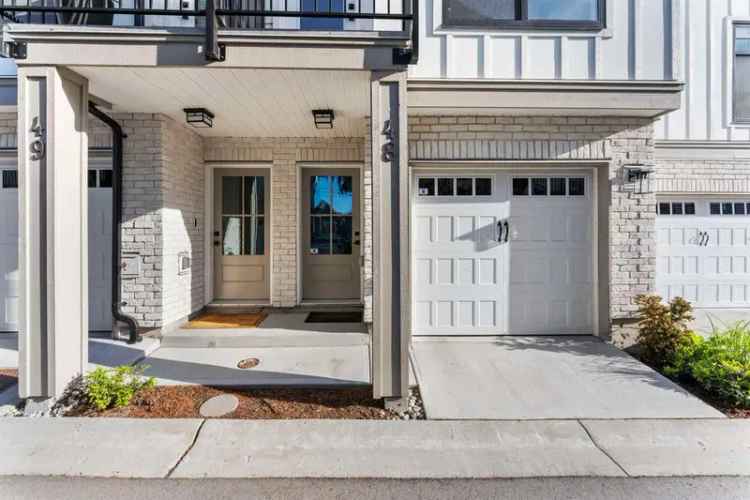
[[117, 303]]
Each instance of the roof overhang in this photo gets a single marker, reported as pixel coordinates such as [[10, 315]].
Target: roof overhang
[[544, 97], [143, 47]]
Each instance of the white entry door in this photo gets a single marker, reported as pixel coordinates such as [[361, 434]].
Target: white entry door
[[99, 248], [703, 251], [502, 252]]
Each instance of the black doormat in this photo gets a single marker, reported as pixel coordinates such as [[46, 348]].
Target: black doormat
[[334, 317]]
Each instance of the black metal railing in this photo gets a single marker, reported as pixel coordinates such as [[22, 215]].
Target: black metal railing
[[215, 15]]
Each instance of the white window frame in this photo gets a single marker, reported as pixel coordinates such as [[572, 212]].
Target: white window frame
[[729, 25]]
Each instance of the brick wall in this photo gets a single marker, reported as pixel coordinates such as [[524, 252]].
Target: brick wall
[[182, 212], [284, 155], [698, 175], [616, 141]]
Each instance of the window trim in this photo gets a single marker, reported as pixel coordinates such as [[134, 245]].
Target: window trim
[[523, 22], [733, 80], [455, 194]]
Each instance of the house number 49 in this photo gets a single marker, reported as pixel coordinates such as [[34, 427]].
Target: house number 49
[[37, 147]]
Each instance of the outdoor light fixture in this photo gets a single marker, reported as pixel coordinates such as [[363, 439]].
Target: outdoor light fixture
[[323, 118], [199, 117], [637, 174]]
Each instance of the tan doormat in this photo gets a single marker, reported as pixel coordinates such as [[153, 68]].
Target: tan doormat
[[212, 320]]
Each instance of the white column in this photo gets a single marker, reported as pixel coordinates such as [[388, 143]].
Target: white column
[[391, 276], [53, 255]]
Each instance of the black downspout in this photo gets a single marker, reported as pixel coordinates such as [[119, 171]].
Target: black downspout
[[117, 303]]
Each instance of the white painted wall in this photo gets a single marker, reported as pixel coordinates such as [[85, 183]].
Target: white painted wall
[[706, 32], [637, 44]]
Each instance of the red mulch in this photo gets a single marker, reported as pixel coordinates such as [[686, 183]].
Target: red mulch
[[184, 401], [8, 377]]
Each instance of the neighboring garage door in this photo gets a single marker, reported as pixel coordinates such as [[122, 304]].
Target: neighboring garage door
[[703, 251], [100, 231], [502, 253]]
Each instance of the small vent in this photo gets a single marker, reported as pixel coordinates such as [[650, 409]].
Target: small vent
[[183, 262], [10, 179]]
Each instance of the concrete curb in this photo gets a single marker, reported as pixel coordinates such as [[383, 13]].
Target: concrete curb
[[197, 448]]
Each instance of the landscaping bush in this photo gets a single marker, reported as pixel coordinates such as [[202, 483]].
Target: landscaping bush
[[720, 364], [662, 328], [115, 387]]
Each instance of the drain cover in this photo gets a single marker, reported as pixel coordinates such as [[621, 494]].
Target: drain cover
[[218, 406], [247, 363]]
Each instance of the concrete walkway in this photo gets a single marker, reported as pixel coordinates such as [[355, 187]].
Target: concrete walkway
[[543, 378], [195, 448]]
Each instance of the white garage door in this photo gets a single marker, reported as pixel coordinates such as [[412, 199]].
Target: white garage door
[[100, 231], [703, 251], [502, 253]]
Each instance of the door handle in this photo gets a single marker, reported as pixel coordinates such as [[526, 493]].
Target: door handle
[[500, 231], [507, 231]]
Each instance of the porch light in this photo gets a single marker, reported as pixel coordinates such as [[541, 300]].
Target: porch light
[[637, 175], [199, 117], [323, 118]]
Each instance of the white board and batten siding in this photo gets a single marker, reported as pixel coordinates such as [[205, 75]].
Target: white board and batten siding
[[503, 262], [706, 31], [637, 44]]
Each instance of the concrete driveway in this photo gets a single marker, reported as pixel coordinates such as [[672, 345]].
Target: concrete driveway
[[543, 378]]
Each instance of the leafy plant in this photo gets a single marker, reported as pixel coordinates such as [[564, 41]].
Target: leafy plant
[[115, 387], [719, 364], [662, 327]]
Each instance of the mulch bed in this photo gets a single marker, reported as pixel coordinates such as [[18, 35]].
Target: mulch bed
[[8, 377], [184, 401], [700, 393]]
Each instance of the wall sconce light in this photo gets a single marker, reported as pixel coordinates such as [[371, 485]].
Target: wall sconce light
[[199, 117], [638, 175], [323, 118]]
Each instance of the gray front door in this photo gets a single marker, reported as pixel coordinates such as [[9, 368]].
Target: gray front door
[[330, 234], [241, 234]]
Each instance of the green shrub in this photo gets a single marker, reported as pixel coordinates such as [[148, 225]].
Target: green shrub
[[115, 387], [662, 327], [721, 364]]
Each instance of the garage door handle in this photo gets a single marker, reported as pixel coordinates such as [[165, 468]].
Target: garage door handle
[[500, 231], [507, 231]]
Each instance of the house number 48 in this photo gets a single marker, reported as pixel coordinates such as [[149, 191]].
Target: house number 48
[[37, 147]]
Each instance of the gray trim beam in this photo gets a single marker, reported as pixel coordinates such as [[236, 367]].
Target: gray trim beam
[[574, 97]]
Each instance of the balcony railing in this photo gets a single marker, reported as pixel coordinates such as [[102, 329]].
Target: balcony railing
[[400, 16]]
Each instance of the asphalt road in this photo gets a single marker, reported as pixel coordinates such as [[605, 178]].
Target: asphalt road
[[714, 488]]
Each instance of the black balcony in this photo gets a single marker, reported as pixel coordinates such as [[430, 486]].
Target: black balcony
[[212, 16]]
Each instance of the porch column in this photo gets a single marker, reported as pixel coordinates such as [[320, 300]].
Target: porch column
[[53, 254], [391, 282]]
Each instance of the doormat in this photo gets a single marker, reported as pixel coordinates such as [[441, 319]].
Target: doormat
[[334, 317], [214, 321]]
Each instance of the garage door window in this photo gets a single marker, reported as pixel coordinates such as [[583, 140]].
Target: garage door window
[[10, 179], [729, 208], [454, 186], [100, 178], [549, 186], [676, 208]]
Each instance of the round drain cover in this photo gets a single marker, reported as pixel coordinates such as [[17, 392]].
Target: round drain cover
[[218, 406], [247, 363]]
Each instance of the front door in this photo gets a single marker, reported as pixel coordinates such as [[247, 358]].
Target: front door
[[331, 234], [241, 234]]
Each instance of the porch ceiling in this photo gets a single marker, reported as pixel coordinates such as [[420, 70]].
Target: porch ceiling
[[246, 102]]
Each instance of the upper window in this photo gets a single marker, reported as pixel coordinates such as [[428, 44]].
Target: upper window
[[581, 14], [742, 74]]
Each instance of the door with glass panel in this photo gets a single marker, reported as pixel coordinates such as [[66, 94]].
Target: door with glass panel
[[241, 234], [331, 234]]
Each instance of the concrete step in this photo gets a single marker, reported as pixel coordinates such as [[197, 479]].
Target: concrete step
[[261, 337]]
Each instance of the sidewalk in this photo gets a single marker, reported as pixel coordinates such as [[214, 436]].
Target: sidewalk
[[195, 448]]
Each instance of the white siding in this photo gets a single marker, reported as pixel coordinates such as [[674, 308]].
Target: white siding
[[706, 34], [637, 44]]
